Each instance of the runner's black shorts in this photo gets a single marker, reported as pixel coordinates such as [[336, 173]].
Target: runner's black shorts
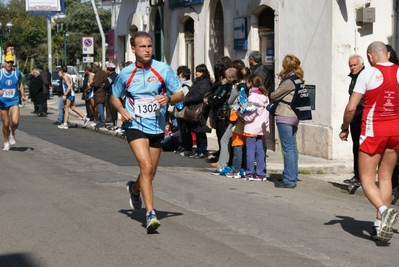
[[154, 139]]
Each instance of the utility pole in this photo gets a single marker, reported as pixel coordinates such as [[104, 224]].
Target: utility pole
[[101, 32]]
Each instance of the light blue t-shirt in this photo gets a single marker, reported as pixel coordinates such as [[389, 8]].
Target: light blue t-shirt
[[140, 86]]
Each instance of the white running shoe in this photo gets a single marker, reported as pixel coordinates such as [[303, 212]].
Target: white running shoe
[[6, 146], [63, 126], [11, 139], [388, 219], [85, 121]]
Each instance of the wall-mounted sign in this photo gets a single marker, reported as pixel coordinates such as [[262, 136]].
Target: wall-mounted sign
[[183, 3], [241, 33]]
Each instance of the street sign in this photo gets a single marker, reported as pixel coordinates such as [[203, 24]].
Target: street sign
[[88, 59], [88, 45]]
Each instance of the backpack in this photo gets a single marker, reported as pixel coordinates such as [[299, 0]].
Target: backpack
[[300, 103]]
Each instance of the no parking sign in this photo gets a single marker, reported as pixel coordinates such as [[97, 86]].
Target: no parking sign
[[88, 45]]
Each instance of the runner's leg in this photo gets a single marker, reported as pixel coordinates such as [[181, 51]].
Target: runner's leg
[[6, 124], [148, 158], [367, 168], [15, 113]]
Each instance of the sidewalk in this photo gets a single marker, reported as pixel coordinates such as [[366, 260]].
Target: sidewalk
[[307, 164]]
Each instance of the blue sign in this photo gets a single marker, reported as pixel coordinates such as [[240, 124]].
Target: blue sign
[[241, 33], [183, 3]]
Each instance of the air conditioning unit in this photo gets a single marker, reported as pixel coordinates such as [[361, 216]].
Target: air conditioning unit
[[365, 15]]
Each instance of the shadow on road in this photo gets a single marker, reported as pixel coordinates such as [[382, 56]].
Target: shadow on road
[[17, 260], [356, 228], [140, 215], [21, 149]]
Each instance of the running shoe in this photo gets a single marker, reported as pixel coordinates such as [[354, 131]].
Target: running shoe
[[257, 178], [63, 126], [135, 199], [215, 172], [120, 130], [388, 219], [85, 121], [152, 222], [6, 146], [233, 175], [11, 139], [248, 177]]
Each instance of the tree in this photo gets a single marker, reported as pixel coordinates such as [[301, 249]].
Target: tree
[[27, 34], [81, 22]]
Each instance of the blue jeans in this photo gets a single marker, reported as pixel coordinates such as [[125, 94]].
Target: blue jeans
[[287, 135], [237, 158], [60, 117], [100, 108], [255, 152], [202, 143]]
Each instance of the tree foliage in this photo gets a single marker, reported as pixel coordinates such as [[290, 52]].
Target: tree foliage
[[81, 22], [29, 33]]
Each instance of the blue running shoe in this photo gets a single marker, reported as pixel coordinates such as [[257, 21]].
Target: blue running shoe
[[135, 199], [152, 222]]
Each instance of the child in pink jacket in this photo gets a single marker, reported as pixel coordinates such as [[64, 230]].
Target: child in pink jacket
[[255, 128]]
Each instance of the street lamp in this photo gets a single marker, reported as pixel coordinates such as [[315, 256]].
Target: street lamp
[[4, 33], [60, 19]]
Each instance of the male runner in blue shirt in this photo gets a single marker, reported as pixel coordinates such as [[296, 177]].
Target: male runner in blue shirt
[[10, 88], [148, 85]]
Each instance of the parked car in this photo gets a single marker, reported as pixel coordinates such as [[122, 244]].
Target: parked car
[[73, 71], [55, 80], [81, 78]]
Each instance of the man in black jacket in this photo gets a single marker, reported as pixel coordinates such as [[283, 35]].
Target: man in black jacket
[[356, 65], [256, 67], [112, 114], [36, 92], [46, 77]]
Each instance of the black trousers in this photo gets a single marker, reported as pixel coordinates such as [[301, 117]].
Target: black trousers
[[355, 133]]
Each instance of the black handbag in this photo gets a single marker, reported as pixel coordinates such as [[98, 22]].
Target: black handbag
[[178, 113], [193, 113]]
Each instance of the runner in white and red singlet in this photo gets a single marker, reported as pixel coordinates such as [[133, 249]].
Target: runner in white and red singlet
[[379, 137]]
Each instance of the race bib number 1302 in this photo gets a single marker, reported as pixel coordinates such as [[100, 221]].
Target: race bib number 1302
[[146, 107]]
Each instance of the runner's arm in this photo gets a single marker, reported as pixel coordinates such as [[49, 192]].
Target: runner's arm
[[22, 91], [163, 100], [117, 104]]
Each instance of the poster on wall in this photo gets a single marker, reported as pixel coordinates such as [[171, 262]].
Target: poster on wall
[[241, 33]]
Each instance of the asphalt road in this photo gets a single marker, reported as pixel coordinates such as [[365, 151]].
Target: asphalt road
[[63, 202]]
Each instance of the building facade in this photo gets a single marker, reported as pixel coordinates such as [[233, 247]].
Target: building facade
[[321, 33]]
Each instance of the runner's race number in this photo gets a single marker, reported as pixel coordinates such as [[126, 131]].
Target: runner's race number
[[146, 107], [8, 93]]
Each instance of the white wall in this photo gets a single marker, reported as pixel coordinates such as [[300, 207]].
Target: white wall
[[321, 33]]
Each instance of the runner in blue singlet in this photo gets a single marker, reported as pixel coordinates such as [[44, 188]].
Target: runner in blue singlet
[[148, 85], [69, 98], [10, 88]]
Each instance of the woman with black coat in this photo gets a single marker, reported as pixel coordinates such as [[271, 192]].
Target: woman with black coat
[[201, 86]]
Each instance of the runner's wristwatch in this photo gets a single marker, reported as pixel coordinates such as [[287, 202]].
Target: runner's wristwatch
[[342, 128]]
